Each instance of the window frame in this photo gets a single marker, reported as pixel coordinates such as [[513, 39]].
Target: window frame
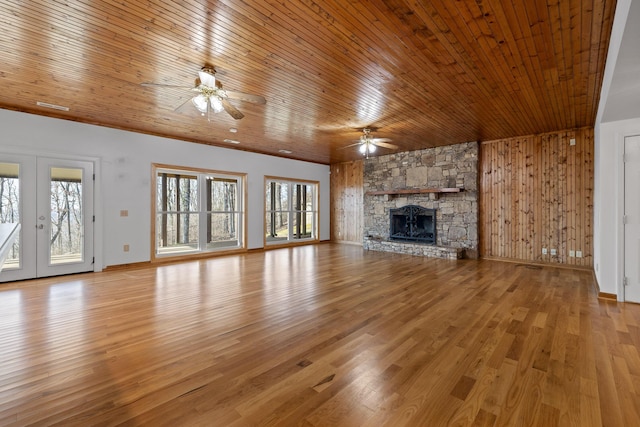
[[291, 211], [203, 249]]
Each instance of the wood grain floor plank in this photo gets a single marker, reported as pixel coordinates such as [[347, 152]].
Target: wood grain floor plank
[[318, 335]]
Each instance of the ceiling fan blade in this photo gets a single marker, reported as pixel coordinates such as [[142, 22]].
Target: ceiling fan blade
[[146, 84], [384, 144], [207, 79], [350, 145], [233, 111], [256, 99], [182, 104]]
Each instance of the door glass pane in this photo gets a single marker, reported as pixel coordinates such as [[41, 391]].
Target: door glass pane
[[66, 238], [10, 207]]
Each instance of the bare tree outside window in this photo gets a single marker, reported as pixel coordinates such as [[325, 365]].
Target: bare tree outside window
[[291, 212], [197, 211], [222, 202], [66, 218], [10, 207]]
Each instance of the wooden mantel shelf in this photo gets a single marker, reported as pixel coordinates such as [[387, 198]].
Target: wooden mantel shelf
[[414, 191]]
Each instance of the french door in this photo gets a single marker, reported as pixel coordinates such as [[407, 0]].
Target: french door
[[53, 200]]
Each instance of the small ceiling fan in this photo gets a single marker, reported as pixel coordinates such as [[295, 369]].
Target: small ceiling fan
[[210, 97], [368, 144]]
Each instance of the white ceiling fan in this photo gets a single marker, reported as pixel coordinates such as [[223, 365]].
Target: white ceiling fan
[[368, 144], [210, 97]]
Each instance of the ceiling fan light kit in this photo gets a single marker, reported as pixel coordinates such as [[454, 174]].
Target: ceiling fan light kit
[[368, 145], [367, 148], [201, 103], [209, 98], [206, 104]]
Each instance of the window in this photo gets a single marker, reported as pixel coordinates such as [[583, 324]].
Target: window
[[291, 212], [197, 211]]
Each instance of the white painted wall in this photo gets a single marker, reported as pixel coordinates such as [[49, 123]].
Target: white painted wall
[[609, 203], [124, 176], [608, 171]]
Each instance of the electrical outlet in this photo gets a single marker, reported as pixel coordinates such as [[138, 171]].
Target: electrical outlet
[[572, 141], [578, 254], [572, 253], [125, 248], [544, 251], [124, 212], [554, 252]]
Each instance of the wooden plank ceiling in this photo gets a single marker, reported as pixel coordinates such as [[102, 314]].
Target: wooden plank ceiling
[[425, 73]]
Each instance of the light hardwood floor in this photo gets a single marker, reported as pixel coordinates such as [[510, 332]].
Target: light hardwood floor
[[324, 335]]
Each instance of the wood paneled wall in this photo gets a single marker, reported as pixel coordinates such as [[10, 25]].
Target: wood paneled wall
[[347, 212], [537, 192]]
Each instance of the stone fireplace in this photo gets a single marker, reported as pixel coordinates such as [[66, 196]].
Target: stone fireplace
[[401, 188]]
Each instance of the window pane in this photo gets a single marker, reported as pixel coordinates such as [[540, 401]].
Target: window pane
[[177, 232], [223, 195], [177, 193], [10, 207], [277, 226], [224, 230], [277, 198], [303, 225], [309, 200], [277, 208], [188, 194], [303, 197]]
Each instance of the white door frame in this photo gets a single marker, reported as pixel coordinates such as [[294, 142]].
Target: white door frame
[[622, 295], [619, 147]]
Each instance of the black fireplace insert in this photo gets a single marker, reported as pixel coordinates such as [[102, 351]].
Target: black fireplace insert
[[413, 223]]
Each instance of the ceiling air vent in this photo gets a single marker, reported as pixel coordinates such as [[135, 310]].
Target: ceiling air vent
[[53, 106]]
